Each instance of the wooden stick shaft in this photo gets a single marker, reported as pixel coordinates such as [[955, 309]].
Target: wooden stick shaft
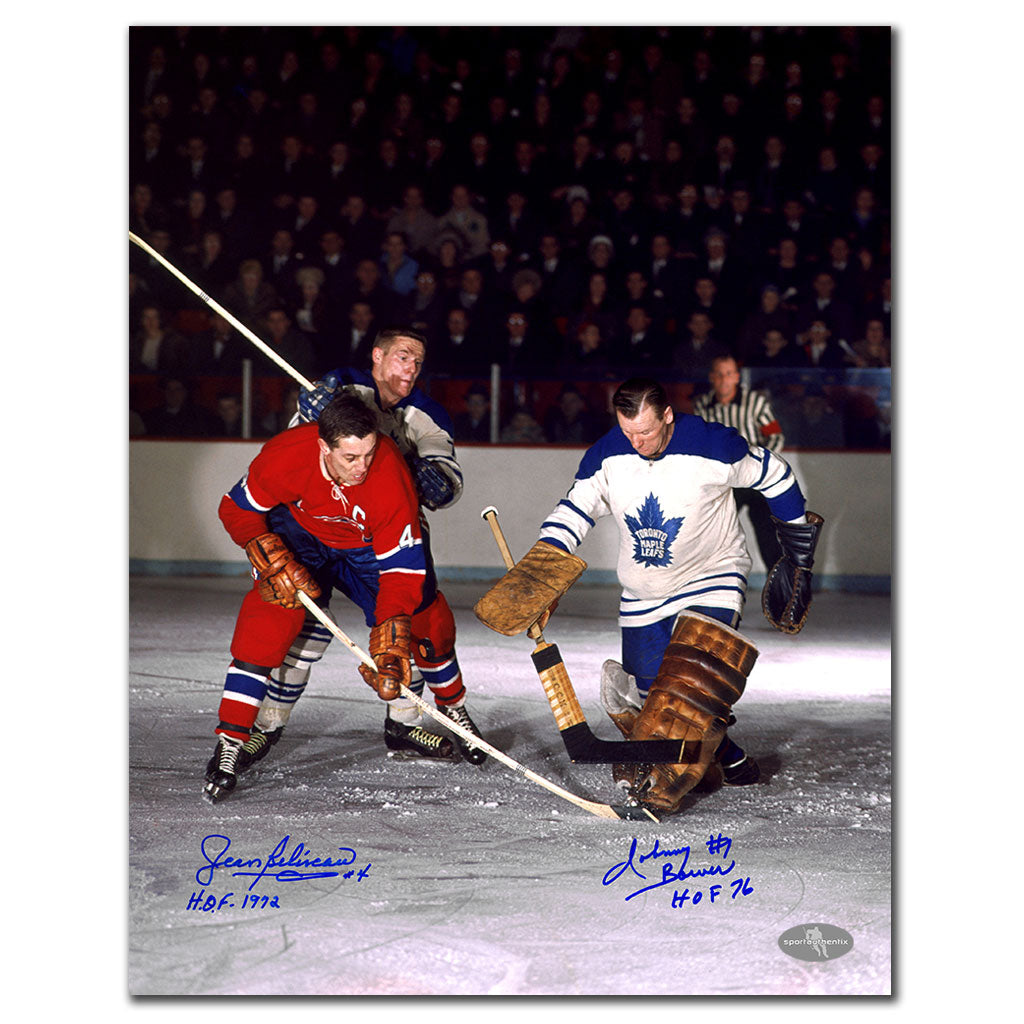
[[492, 518], [597, 809], [217, 307], [557, 686]]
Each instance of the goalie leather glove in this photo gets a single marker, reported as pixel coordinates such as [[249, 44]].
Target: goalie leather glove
[[786, 597]]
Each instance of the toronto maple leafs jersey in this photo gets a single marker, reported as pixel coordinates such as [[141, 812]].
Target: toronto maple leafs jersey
[[680, 540]]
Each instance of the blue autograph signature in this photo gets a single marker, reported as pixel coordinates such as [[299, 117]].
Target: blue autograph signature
[[669, 875], [283, 864]]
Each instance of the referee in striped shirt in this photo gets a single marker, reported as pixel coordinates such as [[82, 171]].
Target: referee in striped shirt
[[751, 414]]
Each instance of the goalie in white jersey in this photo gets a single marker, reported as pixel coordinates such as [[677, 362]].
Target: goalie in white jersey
[[668, 480]]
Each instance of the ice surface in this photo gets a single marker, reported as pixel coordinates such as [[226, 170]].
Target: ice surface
[[481, 882]]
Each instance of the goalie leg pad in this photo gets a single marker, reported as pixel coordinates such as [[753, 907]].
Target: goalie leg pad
[[703, 673]]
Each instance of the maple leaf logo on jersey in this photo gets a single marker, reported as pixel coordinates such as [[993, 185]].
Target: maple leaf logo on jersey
[[652, 533]]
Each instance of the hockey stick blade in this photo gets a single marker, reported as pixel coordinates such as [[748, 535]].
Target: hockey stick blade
[[583, 747], [636, 813]]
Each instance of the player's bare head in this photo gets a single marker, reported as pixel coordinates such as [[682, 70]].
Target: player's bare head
[[397, 357], [640, 393], [346, 415], [644, 415], [348, 439], [388, 337]]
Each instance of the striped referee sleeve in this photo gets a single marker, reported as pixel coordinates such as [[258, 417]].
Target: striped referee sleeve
[[750, 414]]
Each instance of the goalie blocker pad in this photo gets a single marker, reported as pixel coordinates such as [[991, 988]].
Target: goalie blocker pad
[[528, 589], [703, 673]]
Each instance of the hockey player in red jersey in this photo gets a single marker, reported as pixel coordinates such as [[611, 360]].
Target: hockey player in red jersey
[[422, 430], [324, 506]]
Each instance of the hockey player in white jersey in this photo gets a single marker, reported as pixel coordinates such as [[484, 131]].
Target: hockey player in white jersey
[[667, 481]]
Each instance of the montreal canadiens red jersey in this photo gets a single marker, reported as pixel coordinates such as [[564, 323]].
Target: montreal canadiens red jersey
[[382, 512]]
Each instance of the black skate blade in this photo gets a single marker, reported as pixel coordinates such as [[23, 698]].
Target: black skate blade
[[415, 755]]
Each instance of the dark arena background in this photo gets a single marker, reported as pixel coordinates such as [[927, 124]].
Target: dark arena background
[[556, 209], [544, 195]]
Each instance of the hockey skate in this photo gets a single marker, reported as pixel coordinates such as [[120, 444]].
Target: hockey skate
[[414, 739], [737, 768], [459, 715], [222, 769], [744, 772], [257, 747]]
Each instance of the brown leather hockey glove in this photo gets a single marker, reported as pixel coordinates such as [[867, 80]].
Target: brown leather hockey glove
[[279, 576], [390, 648]]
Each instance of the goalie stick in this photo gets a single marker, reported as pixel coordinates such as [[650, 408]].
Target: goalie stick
[[581, 744], [627, 813]]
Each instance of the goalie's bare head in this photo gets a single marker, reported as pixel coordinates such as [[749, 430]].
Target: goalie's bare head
[[644, 415], [347, 431]]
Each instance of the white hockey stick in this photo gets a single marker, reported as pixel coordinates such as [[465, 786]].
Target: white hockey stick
[[217, 307], [598, 809]]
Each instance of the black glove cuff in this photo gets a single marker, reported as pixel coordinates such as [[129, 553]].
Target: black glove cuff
[[799, 540]]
